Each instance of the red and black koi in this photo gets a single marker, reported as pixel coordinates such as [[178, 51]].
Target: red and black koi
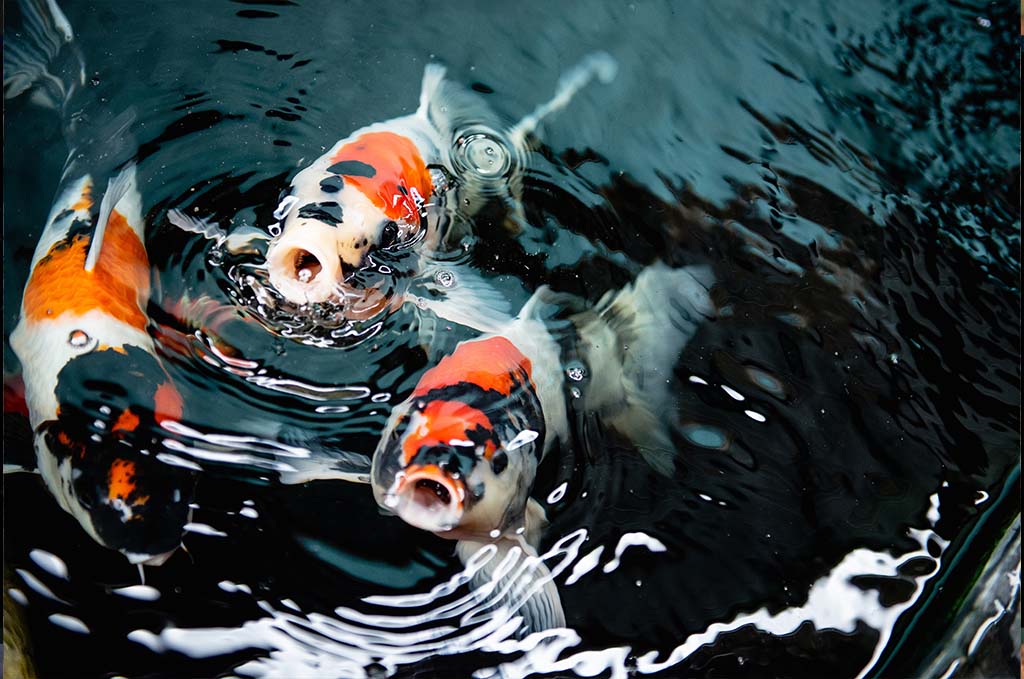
[[459, 456]]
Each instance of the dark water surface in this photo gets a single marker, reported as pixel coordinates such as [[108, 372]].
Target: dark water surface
[[847, 428]]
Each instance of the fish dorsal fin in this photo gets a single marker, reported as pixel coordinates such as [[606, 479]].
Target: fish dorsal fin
[[121, 193]]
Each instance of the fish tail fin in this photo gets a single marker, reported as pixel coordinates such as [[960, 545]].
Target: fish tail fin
[[450, 107], [122, 194], [634, 341], [433, 77], [600, 65], [35, 57]]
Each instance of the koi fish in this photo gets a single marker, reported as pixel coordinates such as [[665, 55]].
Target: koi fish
[[371, 191], [94, 389], [459, 456]]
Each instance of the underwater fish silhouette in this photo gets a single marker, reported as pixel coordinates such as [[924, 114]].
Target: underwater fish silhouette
[[371, 191], [459, 456], [94, 390]]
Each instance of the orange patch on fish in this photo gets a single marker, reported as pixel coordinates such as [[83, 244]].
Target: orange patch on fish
[[168, 404], [121, 480], [127, 421], [491, 364], [441, 422], [118, 285], [396, 162]]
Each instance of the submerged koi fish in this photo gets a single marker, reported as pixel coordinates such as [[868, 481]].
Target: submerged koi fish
[[371, 190], [93, 386], [459, 456]]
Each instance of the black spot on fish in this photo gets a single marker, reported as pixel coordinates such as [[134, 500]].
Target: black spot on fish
[[293, 100], [353, 168], [256, 14], [282, 142], [329, 212], [332, 184], [299, 64], [483, 89]]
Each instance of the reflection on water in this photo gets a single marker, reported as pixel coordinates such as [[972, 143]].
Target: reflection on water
[[846, 428]]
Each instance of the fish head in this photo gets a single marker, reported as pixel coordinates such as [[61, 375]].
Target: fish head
[[99, 454], [457, 467], [369, 195]]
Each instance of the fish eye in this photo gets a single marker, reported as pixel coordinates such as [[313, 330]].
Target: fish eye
[[389, 235], [499, 462]]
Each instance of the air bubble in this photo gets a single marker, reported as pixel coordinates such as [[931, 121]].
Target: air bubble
[[79, 339], [576, 372], [445, 278]]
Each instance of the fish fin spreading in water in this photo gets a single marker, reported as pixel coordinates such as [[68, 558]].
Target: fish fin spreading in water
[[458, 294], [516, 578], [353, 468], [31, 58], [237, 242], [633, 341], [122, 195]]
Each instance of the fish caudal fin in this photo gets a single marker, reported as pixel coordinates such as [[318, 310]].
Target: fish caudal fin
[[600, 65], [33, 56], [122, 194], [632, 343], [433, 76]]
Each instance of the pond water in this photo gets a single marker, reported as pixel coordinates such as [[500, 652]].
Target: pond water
[[847, 426]]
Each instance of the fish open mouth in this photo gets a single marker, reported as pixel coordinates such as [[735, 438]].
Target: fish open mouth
[[304, 265], [428, 498], [428, 492]]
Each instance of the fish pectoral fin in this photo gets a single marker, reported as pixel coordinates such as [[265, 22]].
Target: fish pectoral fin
[[241, 241], [352, 468], [458, 294], [510, 580]]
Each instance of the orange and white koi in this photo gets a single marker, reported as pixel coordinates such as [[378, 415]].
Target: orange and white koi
[[371, 190], [459, 456], [93, 388], [93, 385]]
